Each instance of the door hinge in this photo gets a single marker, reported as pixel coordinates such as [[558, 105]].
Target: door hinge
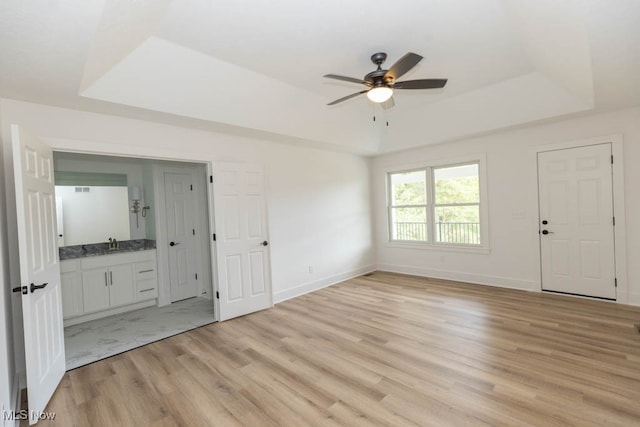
[[196, 276], [211, 178], [615, 280], [194, 231], [217, 295], [614, 220], [214, 237], [612, 159], [191, 186]]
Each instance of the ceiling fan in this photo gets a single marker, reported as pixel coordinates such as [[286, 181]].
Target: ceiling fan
[[381, 83]]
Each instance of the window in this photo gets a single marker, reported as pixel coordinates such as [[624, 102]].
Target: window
[[437, 204]]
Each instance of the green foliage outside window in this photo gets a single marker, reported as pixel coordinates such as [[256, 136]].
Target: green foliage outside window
[[452, 186]]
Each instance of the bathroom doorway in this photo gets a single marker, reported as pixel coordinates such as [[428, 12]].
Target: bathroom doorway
[[118, 296]]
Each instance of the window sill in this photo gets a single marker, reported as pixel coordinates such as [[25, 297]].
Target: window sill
[[440, 247]]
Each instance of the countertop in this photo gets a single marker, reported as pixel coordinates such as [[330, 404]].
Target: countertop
[[98, 249]]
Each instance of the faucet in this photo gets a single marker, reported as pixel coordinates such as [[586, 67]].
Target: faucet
[[113, 243]]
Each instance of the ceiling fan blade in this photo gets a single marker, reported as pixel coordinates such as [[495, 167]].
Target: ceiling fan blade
[[421, 84], [353, 95], [401, 66], [346, 79], [389, 103]]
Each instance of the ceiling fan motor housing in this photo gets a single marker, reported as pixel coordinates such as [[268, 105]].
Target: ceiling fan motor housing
[[376, 78]]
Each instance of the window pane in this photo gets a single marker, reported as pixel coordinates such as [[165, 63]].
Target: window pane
[[409, 224], [409, 188], [460, 224], [457, 184]]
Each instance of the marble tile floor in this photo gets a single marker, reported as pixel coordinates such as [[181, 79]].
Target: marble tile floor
[[98, 339]]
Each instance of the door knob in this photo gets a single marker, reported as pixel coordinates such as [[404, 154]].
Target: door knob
[[33, 287], [173, 244], [265, 243]]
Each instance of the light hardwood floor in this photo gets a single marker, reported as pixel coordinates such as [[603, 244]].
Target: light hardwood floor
[[380, 350]]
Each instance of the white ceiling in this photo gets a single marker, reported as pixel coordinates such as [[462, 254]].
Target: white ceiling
[[255, 68]]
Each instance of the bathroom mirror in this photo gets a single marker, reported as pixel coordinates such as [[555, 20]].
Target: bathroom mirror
[[93, 211]]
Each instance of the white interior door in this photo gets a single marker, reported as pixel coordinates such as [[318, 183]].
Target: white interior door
[[244, 269], [39, 268], [576, 221], [180, 206]]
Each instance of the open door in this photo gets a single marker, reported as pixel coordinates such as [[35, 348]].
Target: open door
[[244, 269], [39, 269]]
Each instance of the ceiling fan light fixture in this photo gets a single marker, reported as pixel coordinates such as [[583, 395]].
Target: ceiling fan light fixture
[[380, 94]]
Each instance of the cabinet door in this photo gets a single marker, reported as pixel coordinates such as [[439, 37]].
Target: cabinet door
[[121, 286], [71, 294], [95, 290]]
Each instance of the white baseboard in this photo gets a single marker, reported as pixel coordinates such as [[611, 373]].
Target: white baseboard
[[497, 281], [319, 284], [633, 298]]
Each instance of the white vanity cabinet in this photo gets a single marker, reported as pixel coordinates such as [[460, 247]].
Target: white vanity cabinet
[[99, 286]]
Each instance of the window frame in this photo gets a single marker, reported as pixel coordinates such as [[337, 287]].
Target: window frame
[[391, 206], [428, 168]]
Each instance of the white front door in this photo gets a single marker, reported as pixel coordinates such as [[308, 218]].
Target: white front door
[[39, 268], [244, 269], [576, 221], [180, 206]]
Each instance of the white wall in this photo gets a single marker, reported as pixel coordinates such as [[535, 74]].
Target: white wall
[[318, 201], [513, 259]]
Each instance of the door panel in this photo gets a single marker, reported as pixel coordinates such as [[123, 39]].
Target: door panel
[[233, 269], [244, 276], [576, 199], [257, 268], [39, 266]]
